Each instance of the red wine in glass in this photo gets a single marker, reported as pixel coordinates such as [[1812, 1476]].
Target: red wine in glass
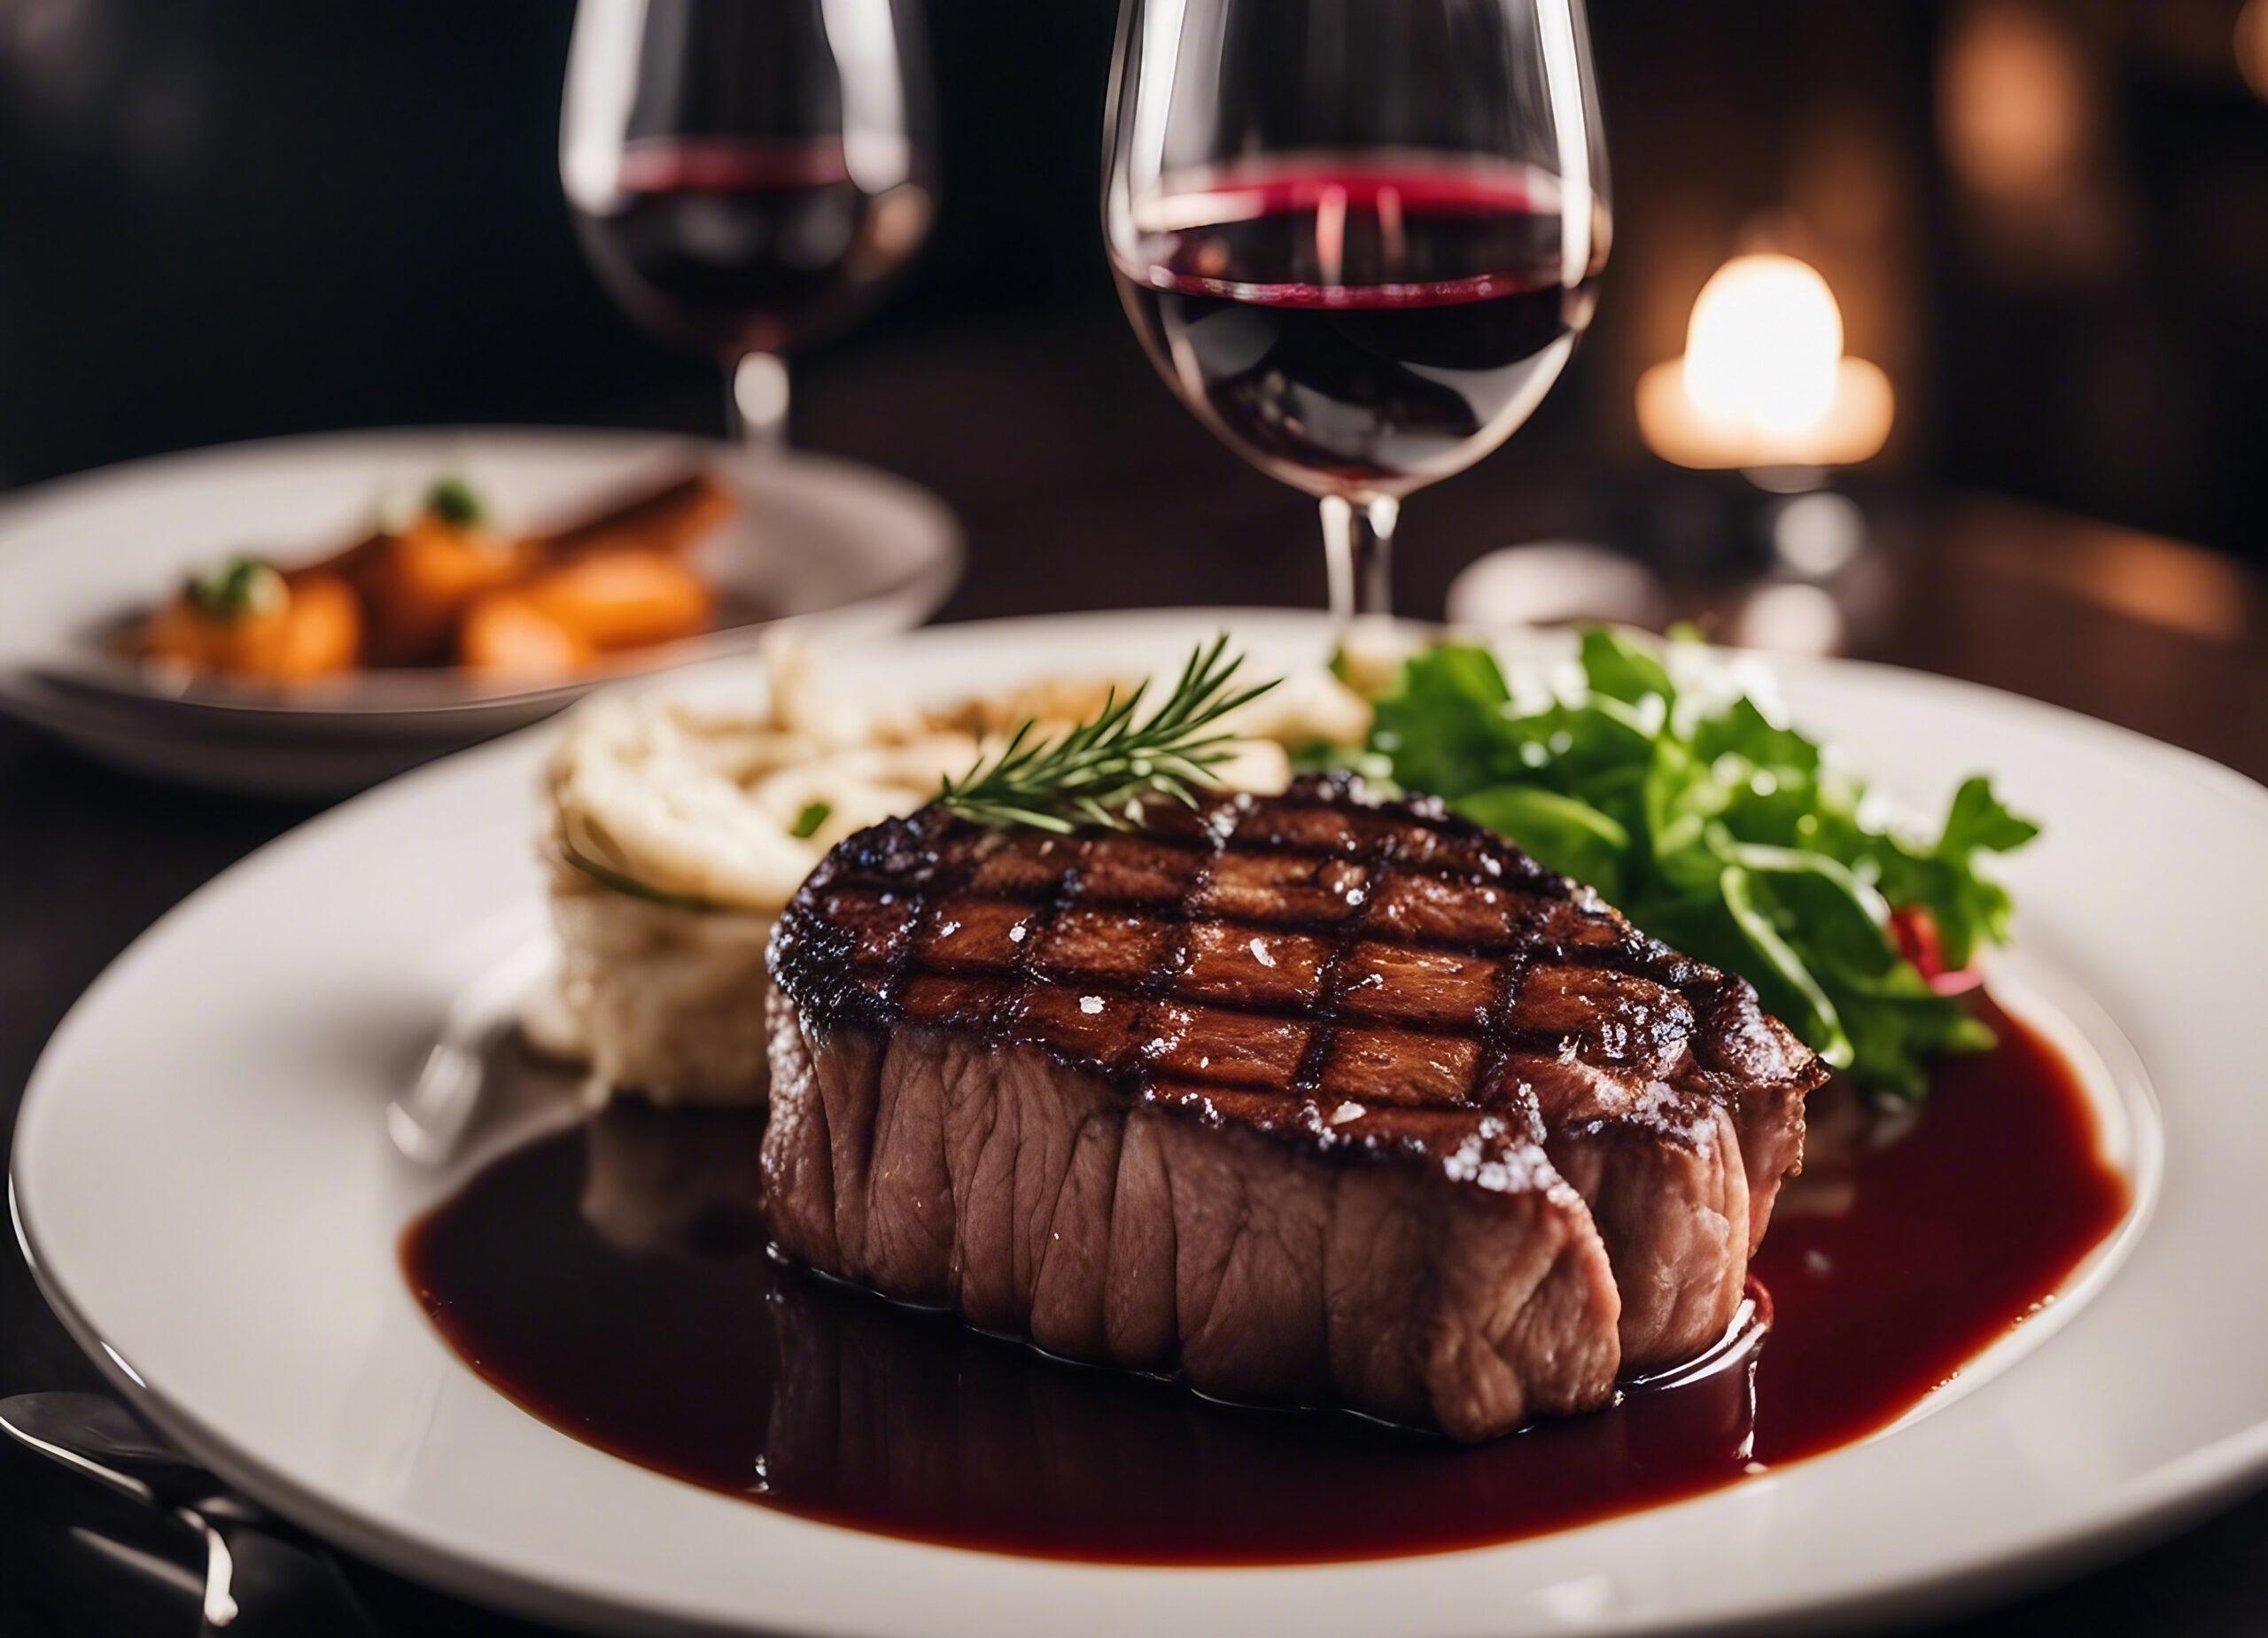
[[1359, 326], [740, 245], [746, 175]]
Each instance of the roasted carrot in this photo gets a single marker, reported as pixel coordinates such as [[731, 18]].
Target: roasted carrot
[[248, 621], [417, 585], [623, 600], [504, 635], [450, 587], [322, 628], [185, 635]]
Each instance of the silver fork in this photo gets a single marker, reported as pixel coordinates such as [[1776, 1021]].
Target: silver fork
[[428, 1123]]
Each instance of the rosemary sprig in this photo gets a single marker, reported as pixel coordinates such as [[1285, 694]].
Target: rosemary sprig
[[1099, 772]]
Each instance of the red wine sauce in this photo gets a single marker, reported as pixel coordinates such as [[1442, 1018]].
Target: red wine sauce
[[612, 1281]]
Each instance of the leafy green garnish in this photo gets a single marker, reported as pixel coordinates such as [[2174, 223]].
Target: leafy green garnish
[[456, 502], [240, 587], [1721, 830], [1099, 771], [807, 822]]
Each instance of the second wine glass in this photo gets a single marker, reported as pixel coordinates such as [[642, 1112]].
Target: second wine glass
[[1359, 237], [745, 176]]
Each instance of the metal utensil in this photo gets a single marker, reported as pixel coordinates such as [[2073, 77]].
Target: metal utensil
[[260, 1575], [429, 1123]]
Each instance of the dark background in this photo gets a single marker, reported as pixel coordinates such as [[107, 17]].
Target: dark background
[[2048, 221], [225, 219]]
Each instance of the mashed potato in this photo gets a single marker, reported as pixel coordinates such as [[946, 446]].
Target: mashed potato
[[676, 833]]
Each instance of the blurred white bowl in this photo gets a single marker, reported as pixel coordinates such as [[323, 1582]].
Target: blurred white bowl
[[819, 543]]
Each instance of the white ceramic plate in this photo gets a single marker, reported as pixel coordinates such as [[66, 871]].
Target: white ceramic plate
[[203, 1184], [817, 541]]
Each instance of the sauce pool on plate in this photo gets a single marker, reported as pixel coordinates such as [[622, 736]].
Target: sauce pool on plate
[[612, 1280]]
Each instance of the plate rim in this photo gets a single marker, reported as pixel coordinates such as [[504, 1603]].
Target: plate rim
[[2150, 1502]]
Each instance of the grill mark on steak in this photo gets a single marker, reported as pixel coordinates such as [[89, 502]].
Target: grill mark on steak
[[1332, 971], [1504, 1038], [1036, 930], [971, 981], [1384, 845], [1339, 981], [1628, 950]]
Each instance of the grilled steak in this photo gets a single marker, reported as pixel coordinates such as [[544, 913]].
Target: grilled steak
[[1313, 1099]]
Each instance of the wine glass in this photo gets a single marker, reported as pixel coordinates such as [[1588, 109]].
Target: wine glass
[[1358, 237], [746, 175]]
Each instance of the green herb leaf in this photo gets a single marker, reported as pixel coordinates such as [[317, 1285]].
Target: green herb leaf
[[807, 823], [1979, 823], [1442, 722], [1971, 909], [1619, 669], [241, 586], [1746, 731], [1838, 913], [1786, 984], [1896, 1021], [456, 502]]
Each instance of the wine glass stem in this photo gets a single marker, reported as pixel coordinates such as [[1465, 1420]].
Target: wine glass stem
[[1358, 544], [756, 401]]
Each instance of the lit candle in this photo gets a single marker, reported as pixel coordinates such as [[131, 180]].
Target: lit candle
[[1764, 382]]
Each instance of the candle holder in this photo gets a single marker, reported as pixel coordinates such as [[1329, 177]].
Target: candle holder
[[1755, 541], [1764, 391]]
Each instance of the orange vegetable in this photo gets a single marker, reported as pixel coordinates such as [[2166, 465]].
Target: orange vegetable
[[322, 628], [504, 635], [447, 588], [623, 600], [295, 628], [418, 584]]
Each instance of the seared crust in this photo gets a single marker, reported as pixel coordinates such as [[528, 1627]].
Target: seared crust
[[1341, 973]]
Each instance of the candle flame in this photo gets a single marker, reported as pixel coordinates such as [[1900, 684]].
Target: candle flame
[[1764, 382], [1763, 347]]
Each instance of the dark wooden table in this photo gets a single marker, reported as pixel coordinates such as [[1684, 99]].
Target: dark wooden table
[[1081, 484]]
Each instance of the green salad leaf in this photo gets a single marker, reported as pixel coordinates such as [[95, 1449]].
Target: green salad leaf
[[1722, 829]]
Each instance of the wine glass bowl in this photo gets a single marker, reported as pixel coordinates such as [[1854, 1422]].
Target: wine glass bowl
[[1358, 239], [731, 249], [745, 177]]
